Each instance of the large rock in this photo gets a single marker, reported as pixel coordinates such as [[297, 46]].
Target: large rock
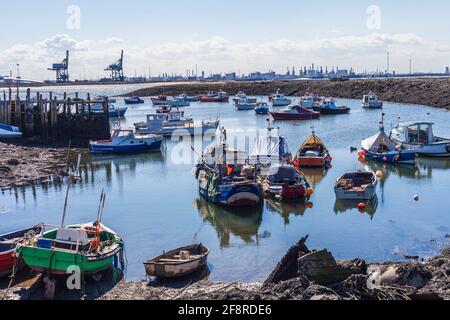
[[406, 274]]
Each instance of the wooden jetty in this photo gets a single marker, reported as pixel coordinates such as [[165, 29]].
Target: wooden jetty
[[53, 118]]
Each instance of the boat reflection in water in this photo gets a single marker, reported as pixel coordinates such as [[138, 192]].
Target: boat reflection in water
[[314, 175], [286, 209], [342, 206], [244, 224]]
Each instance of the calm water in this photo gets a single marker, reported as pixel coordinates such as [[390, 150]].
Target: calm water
[[153, 202]]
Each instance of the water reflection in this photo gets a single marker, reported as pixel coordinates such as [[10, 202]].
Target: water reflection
[[244, 225], [315, 175], [286, 209], [400, 170], [342, 206]]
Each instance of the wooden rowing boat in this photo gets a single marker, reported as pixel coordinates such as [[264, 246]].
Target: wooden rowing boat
[[178, 262]]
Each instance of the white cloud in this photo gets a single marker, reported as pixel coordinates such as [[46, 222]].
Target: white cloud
[[219, 54]]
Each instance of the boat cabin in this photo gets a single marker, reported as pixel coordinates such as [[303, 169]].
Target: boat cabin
[[415, 133], [122, 133]]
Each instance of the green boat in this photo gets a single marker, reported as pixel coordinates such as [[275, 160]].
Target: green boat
[[92, 247]]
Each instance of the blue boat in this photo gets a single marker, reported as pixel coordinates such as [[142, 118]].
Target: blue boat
[[133, 100], [126, 141], [114, 112], [9, 132], [262, 108], [380, 147]]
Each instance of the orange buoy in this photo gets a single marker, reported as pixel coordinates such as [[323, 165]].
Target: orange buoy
[[361, 153], [362, 206], [309, 192], [309, 205]]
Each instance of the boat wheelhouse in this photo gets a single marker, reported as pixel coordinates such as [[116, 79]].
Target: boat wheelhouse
[[295, 112], [419, 137], [279, 100], [371, 101]]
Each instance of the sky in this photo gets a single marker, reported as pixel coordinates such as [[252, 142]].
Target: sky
[[172, 36]]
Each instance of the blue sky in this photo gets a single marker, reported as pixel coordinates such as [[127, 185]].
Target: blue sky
[[174, 35]]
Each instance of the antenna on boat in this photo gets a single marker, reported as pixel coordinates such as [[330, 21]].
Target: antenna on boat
[[382, 121], [67, 191]]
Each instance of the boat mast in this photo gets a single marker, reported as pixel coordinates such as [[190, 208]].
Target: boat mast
[[68, 188]]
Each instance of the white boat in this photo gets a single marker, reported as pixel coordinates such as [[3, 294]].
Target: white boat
[[187, 98], [242, 95], [9, 132], [245, 104], [178, 102], [308, 101], [371, 101], [279, 100], [114, 112], [124, 140], [356, 186], [419, 136], [156, 123], [111, 100]]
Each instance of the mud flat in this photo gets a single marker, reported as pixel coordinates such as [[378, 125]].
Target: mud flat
[[432, 92], [301, 274], [22, 164]]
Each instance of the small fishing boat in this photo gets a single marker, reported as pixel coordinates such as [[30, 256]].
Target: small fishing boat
[[245, 104], [262, 108], [270, 148], [242, 95], [114, 112], [328, 106], [90, 246], [226, 186], [295, 112], [133, 100], [356, 186], [178, 102], [312, 154], [419, 137], [380, 147], [308, 101], [110, 100], [8, 244], [124, 140], [158, 123], [187, 98], [279, 100], [211, 96], [371, 101], [179, 262], [284, 183], [9, 132], [159, 100]]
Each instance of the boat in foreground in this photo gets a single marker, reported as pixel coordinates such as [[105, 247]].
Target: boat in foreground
[[92, 247], [419, 137], [178, 262], [9, 132], [262, 108], [356, 186], [312, 154], [8, 243], [295, 112], [328, 106], [126, 141], [133, 100]]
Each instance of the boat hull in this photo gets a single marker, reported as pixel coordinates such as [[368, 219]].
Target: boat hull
[[107, 149], [378, 105], [262, 111], [118, 113], [313, 162], [246, 195], [134, 101], [441, 149], [367, 194], [400, 157], [294, 116], [5, 134], [284, 192], [331, 111], [281, 102], [245, 107]]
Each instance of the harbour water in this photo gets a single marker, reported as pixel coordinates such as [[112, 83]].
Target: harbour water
[[152, 199]]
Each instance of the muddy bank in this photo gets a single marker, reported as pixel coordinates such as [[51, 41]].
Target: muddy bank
[[425, 91], [23, 164], [302, 274]]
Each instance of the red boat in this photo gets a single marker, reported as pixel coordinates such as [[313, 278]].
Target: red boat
[[211, 96], [8, 243], [295, 112]]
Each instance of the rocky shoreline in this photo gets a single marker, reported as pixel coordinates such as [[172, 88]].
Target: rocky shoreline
[[302, 274], [432, 92]]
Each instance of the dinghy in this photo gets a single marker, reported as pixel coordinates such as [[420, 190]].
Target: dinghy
[[179, 262], [9, 132], [312, 154], [356, 186], [8, 244], [133, 100]]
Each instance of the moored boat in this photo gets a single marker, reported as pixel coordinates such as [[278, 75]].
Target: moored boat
[[245, 104], [124, 140], [419, 137], [110, 100], [309, 100], [8, 244], [178, 262], [159, 100], [187, 98], [178, 102], [133, 100], [328, 106], [211, 96], [242, 95], [284, 183], [113, 111], [371, 101], [356, 186], [312, 154], [9, 132], [262, 108], [279, 100], [294, 112]]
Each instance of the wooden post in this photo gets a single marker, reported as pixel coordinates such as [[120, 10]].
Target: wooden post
[[89, 103], [9, 108]]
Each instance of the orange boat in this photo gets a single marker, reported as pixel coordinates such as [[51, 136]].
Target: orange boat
[[312, 154]]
